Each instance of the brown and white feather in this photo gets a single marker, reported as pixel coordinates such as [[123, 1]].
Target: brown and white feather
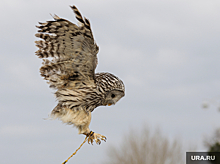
[[69, 54]]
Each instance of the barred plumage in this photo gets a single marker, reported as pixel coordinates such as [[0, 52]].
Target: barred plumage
[[69, 54]]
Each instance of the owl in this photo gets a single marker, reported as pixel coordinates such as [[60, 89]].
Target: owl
[[69, 54]]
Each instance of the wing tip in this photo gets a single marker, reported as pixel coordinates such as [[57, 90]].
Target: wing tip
[[55, 17], [73, 7]]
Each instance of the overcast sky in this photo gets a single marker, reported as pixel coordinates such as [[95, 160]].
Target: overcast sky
[[165, 51]]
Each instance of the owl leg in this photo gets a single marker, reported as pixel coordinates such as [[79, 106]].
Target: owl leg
[[95, 136]]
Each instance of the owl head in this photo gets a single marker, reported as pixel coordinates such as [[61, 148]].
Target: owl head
[[111, 87]]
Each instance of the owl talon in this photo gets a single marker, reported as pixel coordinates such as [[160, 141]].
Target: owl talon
[[97, 137], [98, 142], [90, 141], [103, 138]]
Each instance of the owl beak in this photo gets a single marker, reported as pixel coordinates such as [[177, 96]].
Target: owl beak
[[109, 104]]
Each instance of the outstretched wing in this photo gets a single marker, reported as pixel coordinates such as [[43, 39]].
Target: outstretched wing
[[70, 51]]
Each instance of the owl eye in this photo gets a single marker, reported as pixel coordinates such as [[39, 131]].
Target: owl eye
[[112, 95]]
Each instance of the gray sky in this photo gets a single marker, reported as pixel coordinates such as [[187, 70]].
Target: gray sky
[[165, 51]]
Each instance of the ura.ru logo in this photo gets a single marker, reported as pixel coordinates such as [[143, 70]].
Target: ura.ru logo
[[203, 158]]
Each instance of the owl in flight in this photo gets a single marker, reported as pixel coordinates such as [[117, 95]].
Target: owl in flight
[[69, 54]]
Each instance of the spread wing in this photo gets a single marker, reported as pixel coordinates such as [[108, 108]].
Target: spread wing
[[70, 50]]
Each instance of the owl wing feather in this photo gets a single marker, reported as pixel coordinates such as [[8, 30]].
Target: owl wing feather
[[70, 50]]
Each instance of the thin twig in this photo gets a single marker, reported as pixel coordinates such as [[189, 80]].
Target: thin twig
[[76, 150]]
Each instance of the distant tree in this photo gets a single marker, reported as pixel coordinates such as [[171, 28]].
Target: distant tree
[[146, 148], [213, 145]]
